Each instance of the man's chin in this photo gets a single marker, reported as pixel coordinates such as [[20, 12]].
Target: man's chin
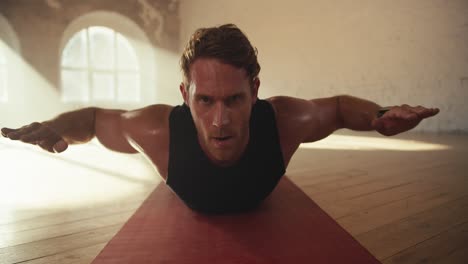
[[223, 159]]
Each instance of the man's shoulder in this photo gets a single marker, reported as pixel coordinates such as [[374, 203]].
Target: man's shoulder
[[152, 118], [156, 113], [292, 107]]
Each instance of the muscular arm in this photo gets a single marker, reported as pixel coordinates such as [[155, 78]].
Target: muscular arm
[[77, 127], [144, 130], [355, 113], [82, 125], [73, 127], [302, 120]]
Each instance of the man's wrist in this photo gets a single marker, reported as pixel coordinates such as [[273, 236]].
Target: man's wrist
[[382, 111]]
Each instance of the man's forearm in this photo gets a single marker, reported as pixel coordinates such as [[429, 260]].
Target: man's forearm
[[74, 127], [356, 113]]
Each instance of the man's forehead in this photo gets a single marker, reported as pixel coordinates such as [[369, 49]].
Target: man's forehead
[[213, 78], [208, 69], [221, 92]]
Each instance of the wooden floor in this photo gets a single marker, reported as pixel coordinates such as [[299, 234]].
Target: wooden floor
[[404, 198]]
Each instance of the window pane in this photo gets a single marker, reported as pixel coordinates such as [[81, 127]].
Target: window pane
[[129, 87], [3, 81], [74, 54], [126, 56], [103, 86], [74, 85], [102, 48]]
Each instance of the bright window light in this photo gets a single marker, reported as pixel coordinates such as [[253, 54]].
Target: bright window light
[[100, 64]]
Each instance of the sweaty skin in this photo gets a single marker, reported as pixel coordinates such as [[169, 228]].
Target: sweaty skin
[[220, 98]]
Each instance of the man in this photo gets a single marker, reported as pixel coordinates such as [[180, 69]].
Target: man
[[223, 150]]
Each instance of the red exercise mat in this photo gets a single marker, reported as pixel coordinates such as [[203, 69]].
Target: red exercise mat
[[287, 228]]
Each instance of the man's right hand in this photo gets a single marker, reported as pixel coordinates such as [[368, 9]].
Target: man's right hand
[[37, 134]]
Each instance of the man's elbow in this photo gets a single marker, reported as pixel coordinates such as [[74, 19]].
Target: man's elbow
[[339, 120]]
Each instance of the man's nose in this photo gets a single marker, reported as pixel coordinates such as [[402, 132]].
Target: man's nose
[[221, 115]]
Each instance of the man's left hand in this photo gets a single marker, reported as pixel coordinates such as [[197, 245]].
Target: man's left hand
[[402, 118]]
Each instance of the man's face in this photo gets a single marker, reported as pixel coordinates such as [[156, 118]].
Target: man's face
[[220, 98]]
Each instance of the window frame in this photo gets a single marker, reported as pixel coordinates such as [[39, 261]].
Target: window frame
[[90, 69]]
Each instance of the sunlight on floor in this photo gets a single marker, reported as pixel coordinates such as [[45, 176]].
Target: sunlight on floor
[[81, 176], [347, 142]]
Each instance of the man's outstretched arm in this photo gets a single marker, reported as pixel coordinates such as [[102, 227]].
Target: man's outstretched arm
[[75, 127], [302, 120], [359, 114]]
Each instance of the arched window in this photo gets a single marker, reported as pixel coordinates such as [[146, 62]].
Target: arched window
[[3, 76], [99, 64]]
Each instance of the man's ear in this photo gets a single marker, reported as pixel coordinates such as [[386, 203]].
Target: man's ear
[[255, 87], [184, 92]]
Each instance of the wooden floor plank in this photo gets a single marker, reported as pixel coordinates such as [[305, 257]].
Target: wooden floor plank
[[433, 250], [57, 245], [77, 256], [64, 229], [458, 256], [367, 220], [354, 200], [385, 181], [321, 179], [71, 216], [393, 238]]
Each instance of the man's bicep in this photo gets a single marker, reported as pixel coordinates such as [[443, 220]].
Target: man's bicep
[[147, 129], [109, 130], [301, 120], [324, 118]]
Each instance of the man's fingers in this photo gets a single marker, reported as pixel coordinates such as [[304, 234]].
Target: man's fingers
[[19, 132], [377, 123], [60, 146], [31, 127], [53, 143], [401, 113], [9, 132], [411, 113], [37, 134], [53, 148], [47, 144], [384, 125], [33, 136], [6, 130], [429, 112]]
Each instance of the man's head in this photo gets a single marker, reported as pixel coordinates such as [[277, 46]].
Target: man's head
[[227, 43], [220, 86]]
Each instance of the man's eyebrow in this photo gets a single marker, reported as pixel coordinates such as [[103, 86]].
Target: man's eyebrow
[[198, 95], [237, 94]]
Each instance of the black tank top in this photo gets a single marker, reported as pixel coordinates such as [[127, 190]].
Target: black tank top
[[208, 188]]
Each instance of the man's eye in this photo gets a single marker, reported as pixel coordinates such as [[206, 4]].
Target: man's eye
[[205, 100], [234, 99]]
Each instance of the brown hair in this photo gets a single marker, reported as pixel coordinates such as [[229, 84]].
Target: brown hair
[[226, 43]]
